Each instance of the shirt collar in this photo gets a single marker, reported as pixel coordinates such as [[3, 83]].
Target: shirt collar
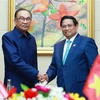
[[20, 34], [72, 39]]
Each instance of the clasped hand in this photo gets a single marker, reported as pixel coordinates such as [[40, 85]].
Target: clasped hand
[[42, 77]]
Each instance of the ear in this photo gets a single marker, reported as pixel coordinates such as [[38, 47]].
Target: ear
[[77, 26], [15, 21]]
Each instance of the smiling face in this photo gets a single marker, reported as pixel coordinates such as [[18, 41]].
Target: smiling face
[[69, 29], [23, 20]]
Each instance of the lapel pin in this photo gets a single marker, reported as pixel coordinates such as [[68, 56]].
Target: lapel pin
[[74, 45]]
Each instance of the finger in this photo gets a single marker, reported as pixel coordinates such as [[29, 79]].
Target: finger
[[42, 80]]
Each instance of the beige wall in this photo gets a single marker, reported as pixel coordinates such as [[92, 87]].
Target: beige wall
[[97, 23], [44, 61], [3, 29]]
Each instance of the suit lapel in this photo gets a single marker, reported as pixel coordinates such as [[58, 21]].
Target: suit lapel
[[73, 47], [61, 50]]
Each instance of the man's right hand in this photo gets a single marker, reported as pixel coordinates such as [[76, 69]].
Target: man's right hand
[[42, 77]]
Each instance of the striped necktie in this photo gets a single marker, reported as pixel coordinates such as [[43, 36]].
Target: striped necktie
[[66, 51]]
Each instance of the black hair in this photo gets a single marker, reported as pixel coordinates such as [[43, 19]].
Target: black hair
[[21, 9], [69, 17]]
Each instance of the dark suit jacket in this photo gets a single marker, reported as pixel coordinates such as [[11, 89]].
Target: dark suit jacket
[[73, 74], [20, 57]]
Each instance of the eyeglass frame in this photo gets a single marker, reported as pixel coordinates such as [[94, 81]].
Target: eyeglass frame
[[22, 19], [69, 26]]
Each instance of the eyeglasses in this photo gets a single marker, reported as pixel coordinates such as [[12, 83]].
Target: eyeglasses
[[69, 26], [22, 19]]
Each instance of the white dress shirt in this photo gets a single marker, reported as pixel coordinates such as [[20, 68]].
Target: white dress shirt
[[65, 45]]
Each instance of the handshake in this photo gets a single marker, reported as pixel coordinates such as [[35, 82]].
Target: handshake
[[42, 77]]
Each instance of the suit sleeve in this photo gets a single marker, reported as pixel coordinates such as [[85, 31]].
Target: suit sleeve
[[91, 52], [52, 70], [13, 58]]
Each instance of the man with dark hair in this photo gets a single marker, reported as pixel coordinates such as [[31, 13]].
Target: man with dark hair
[[20, 52], [72, 58]]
